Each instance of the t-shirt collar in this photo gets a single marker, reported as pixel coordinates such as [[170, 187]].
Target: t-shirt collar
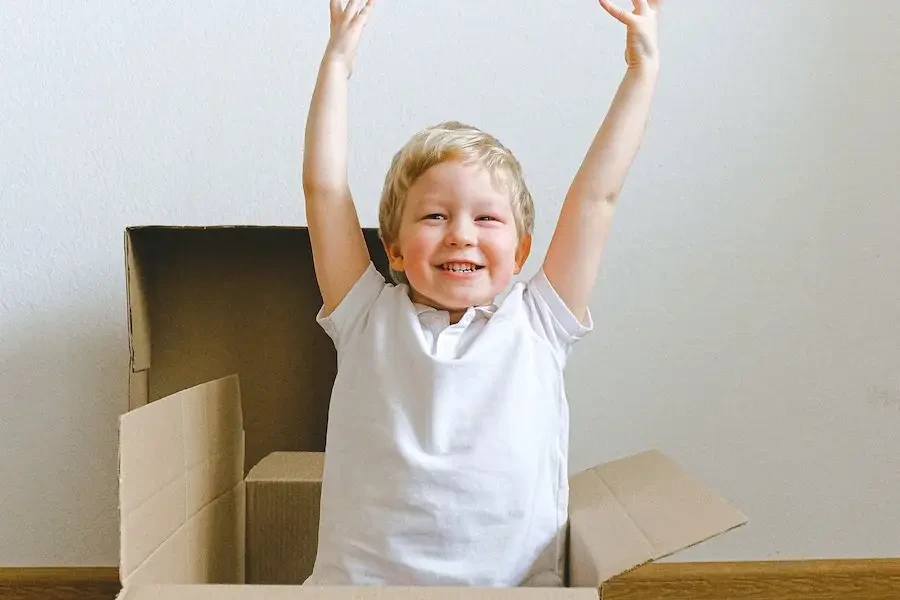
[[487, 310]]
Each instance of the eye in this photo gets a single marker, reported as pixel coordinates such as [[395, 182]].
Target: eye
[[434, 216], [487, 218]]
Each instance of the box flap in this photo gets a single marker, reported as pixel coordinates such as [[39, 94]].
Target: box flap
[[181, 490], [293, 592], [627, 512]]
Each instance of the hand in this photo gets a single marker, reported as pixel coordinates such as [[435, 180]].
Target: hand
[[641, 42], [346, 29]]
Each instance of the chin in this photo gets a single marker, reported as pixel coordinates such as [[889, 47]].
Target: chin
[[450, 302], [453, 295], [464, 301]]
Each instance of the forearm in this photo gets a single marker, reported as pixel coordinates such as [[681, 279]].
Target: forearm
[[340, 253], [325, 152], [605, 167], [339, 250]]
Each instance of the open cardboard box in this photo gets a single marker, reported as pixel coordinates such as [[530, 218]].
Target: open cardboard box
[[229, 371]]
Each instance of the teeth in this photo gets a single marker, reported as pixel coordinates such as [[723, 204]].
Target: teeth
[[459, 267]]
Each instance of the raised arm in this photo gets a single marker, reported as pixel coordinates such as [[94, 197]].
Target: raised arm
[[573, 258], [339, 249]]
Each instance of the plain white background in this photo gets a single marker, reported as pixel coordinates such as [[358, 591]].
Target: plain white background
[[748, 313]]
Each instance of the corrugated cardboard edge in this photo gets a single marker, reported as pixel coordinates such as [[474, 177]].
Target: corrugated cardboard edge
[[138, 327], [209, 493], [214, 227], [294, 592]]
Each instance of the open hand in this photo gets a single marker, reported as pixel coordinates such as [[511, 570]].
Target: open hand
[[641, 43], [346, 29]]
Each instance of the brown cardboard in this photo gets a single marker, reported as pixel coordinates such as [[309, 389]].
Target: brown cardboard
[[283, 493], [181, 488], [648, 505], [223, 339]]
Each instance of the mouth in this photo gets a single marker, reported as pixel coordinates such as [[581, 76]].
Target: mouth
[[460, 267]]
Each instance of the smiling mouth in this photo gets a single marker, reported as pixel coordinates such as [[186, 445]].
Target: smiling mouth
[[457, 267]]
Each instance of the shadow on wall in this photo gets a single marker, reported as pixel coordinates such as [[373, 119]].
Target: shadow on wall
[[63, 374]]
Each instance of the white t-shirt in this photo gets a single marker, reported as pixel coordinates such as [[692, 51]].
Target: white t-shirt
[[447, 445]]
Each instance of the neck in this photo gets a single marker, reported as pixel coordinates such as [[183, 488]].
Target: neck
[[455, 316], [455, 313]]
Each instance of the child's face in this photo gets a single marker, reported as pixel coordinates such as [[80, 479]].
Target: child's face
[[458, 243]]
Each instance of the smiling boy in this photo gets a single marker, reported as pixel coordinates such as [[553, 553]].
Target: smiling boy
[[447, 442]]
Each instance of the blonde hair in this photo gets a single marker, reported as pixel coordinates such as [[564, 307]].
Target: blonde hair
[[451, 140]]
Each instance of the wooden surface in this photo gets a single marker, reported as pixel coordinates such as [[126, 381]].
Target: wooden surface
[[74, 583], [875, 579]]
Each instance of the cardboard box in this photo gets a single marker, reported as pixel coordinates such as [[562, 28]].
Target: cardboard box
[[283, 494], [229, 367]]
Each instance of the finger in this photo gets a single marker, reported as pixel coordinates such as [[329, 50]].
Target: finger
[[617, 12], [336, 11], [352, 10], [363, 16], [641, 6]]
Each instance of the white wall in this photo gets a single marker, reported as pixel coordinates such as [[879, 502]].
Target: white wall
[[748, 316]]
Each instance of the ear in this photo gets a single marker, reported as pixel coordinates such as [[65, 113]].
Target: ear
[[395, 258], [522, 252]]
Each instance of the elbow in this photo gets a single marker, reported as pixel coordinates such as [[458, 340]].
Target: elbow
[[597, 194], [310, 187], [608, 197]]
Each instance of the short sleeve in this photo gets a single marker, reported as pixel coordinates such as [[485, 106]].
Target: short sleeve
[[550, 316], [350, 315]]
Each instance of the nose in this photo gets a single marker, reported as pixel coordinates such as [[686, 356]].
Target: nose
[[461, 232]]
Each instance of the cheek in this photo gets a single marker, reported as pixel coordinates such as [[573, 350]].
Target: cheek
[[501, 249], [417, 246]]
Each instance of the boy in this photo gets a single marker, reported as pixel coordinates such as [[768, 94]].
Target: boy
[[446, 452]]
